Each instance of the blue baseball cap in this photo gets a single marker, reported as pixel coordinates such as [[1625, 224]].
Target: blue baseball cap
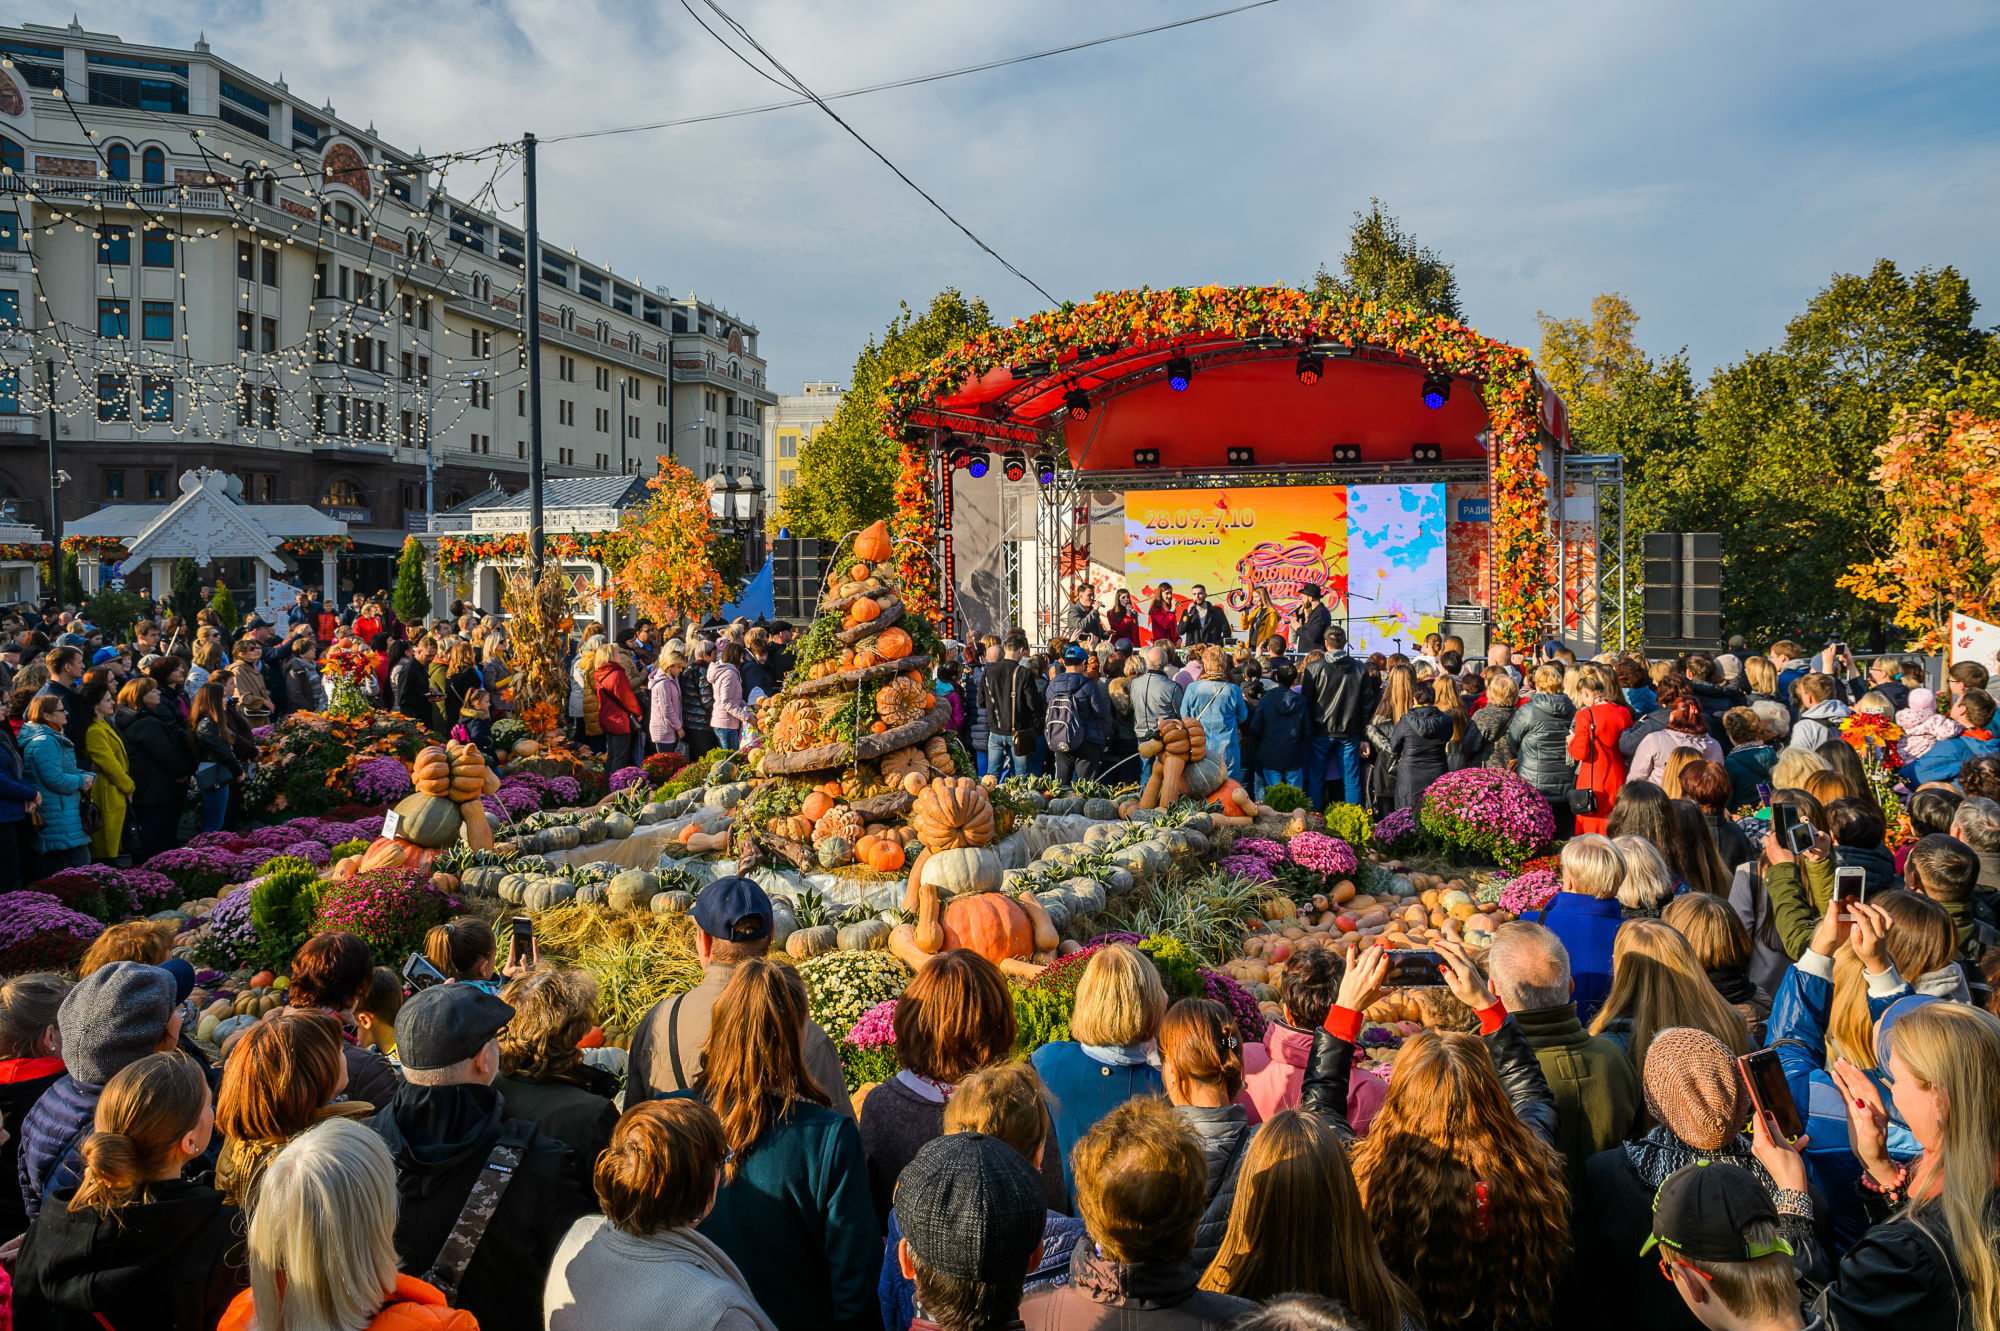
[[735, 910], [104, 654], [1074, 655]]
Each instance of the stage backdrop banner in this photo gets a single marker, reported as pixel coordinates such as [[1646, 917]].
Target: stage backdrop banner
[[1235, 541]]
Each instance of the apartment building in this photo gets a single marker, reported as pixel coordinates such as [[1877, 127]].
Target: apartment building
[[217, 273], [794, 421]]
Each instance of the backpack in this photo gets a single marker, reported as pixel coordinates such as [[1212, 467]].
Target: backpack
[[1063, 723]]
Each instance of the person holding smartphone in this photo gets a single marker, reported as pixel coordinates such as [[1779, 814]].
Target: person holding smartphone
[[1796, 882]]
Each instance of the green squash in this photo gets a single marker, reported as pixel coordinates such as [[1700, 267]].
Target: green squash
[[430, 821], [632, 890], [835, 851], [617, 826], [811, 941], [546, 892], [672, 903]]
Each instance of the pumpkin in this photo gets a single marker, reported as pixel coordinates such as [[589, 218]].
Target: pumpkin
[[964, 871], [893, 644], [795, 828], [428, 820], [859, 572], [632, 890], [395, 853], [873, 543], [906, 765], [1040, 922], [864, 611], [811, 941], [904, 947], [900, 702], [862, 660], [938, 754], [834, 851], [953, 812], [478, 832], [546, 892], [431, 770], [989, 923], [840, 821], [816, 806], [444, 882], [884, 856], [526, 748], [672, 903], [869, 935], [913, 784]]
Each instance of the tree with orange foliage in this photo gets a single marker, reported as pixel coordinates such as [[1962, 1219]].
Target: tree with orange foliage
[[671, 575], [1939, 473]]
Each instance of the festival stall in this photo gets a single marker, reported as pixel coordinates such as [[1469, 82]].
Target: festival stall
[[470, 548]]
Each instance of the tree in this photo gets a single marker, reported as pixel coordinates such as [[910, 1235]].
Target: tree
[[113, 610], [412, 598], [1385, 264], [224, 605], [185, 596], [671, 574], [1582, 356], [847, 471], [71, 591]]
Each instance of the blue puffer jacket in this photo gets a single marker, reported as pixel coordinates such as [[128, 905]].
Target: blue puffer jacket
[[50, 762], [14, 791]]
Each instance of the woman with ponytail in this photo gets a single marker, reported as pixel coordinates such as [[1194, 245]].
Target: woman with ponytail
[[134, 1245]]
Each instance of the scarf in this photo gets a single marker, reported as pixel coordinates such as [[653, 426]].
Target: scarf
[[1733, 984], [1122, 1055], [1659, 1153], [924, 1088]]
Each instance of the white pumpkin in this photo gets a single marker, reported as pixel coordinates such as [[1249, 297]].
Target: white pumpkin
[[963, 870]]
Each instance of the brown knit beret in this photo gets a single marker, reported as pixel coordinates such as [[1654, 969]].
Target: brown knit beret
[[1693, 1087]]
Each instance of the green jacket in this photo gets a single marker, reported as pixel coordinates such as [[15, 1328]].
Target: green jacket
[[1595, 1087], [1796, 910]]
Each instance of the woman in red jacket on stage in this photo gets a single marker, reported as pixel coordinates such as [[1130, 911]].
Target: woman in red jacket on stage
[[1122, 619], [1162, 619]]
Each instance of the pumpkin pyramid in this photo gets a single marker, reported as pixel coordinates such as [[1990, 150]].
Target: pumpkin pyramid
[[858, 693]]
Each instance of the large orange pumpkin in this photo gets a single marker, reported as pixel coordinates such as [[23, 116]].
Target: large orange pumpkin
[[893, 644], [816, 805], [989, 923], [864, 611], [873, 543]]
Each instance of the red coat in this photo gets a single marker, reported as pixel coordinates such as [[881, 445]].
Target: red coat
[[1162, 624], [617, 705], [1593, 742], [1123, 624]]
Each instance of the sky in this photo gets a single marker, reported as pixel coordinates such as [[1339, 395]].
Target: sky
[[1715, 162]]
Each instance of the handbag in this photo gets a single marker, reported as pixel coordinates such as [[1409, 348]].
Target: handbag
[[210, 775], [1582, 799], [89, 814]]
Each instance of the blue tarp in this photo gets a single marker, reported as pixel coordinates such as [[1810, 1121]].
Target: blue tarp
[[757, 598]]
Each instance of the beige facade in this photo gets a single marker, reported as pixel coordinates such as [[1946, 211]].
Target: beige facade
[[793, 423]]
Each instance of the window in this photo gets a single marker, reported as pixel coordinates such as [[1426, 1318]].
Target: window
[[632, 387], [660, 395], [409, 366], [154, 85], [555, 269], [520, 402], [319, 281], [562, 412], [156, 485], [153, 166], [319, 412], [10, 309], [245, 110], [409, 308], [513, 250], [114, 318], [267, 334], [602, 420], [520, 448], [342, 493], [482, 394], [157, 320], [270, 488], [409, 427], [41, 66], [603, 461], [118, 162], [10, 393], [649, 310], [659, 432], [156, 250], [267, 406], [343, 282], [10, 231], [12, 156], [468, 231], [268, 273], [114, 399], [423, 315], [114, 245], [590, 284], [788, 445], [482, 344], [246, 405], [621, 299], [114, 485], [307, 135], [340, 415], [566, 456], [631, 427], [245, 327], [603, 379], [244, 257], [423, 369]]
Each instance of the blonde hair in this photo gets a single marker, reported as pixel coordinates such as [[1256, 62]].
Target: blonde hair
[[1713, 929], [1920, 940], [1656, 984], [1761, 675], [1677, 762], [144, 1112], [322, 1240], [1501, 690], [1794, 765], [1648, 882], [1548, 678], [1592, 867], [1954, 1049], [1119, 998], [553, 1009]]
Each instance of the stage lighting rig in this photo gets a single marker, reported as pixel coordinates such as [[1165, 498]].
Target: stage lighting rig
[[1045, 468], [1437, 389], [1426, 453], [1078, 403], [1347, 454], [1180, 370], [1145, 457], [977, 460], [1310, 368], [1014, 466], [1241, 455]]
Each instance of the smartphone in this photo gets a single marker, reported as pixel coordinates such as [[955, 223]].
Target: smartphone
[[1763, 794], [419, 974], [1764, 1074], [1784, 817], [1413, 969], [1850, 883], [524, 937]]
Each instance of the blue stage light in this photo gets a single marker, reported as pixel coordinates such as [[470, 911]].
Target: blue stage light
[[1437, 390], [1179, 370], [1045, 468]]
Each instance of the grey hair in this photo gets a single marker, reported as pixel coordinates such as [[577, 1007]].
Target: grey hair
[[1647, 883], [1156, 657], [322, 1229], [1977, 824], [1529, 967]]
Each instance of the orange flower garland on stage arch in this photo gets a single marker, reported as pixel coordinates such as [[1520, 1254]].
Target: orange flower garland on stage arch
[[1503, 374]]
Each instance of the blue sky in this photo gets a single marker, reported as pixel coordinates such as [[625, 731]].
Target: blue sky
[[1716, 162]]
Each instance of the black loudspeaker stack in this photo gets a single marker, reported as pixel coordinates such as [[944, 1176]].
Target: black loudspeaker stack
[[796, 577], [1683, 589]]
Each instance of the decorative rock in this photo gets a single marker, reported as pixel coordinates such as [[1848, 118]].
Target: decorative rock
[[1102, 810]]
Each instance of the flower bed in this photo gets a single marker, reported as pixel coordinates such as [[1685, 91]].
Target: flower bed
[[1492, 814], [107, 893], [39, 933], [389, 909]]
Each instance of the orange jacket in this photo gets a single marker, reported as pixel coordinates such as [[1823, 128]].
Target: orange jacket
[[414, 1306]]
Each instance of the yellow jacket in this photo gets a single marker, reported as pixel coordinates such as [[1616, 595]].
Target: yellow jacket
[[1259, 624], [111, 789]]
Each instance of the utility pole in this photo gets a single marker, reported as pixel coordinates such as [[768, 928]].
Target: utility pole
[[55, 486], [533, 307]]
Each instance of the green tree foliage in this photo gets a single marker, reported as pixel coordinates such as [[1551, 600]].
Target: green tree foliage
[[185, 596], [1385, 264], [226, 613], [71, 591], [114, 611], [847, 472], [412, 599], [1776, 452]]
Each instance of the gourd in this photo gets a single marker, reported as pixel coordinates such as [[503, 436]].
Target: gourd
[[816, 806], [590, 894], [546, 892], [900, 702], [395, 853], [905, 765], [1204, 776], [526, 748], [938, 754], [963, 871], [703, 843], [1235, 800], [445, 883], [794, 828], [881, 855], [469, 775], [839, 821], [953, 812], [903, 946], [864, 936], [834, 851], [913, 782], [431, 771], [672, 903], [1176, 744], [811, 941], [617, 826], [864, 611], [893, 643], [428, 820], [989, 923], [632, 890], [512, 887], [873, 543], [1043, 926]]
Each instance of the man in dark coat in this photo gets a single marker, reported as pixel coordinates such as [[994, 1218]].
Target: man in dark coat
[[1204, 623], [445, 1128], [1340, 694], [1314, 621]]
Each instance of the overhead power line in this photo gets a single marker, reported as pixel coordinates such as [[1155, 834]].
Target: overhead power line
[[912, 82]]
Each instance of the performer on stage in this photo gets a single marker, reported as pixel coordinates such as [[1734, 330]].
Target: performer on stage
[[1314, 619], [1260, 618], [1162, 620], [1203, 622]]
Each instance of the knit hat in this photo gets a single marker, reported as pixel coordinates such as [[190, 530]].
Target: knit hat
[[1693, 1087], [1923, 700], [971, 1208], [114, 1017]]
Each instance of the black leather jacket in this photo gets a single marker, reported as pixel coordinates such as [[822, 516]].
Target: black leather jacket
[[1340, 693], [1331, 1064], [1205, 625], [1904, 1272]]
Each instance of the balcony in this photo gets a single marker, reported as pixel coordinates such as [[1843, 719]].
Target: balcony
[[15, 261], [20, 427], [330, 309], [333, 446], [331, 374], [117, 193]]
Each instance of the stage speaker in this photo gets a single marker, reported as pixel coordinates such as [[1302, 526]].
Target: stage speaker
[[1467, 622], [1682, 592], [796, 577]]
